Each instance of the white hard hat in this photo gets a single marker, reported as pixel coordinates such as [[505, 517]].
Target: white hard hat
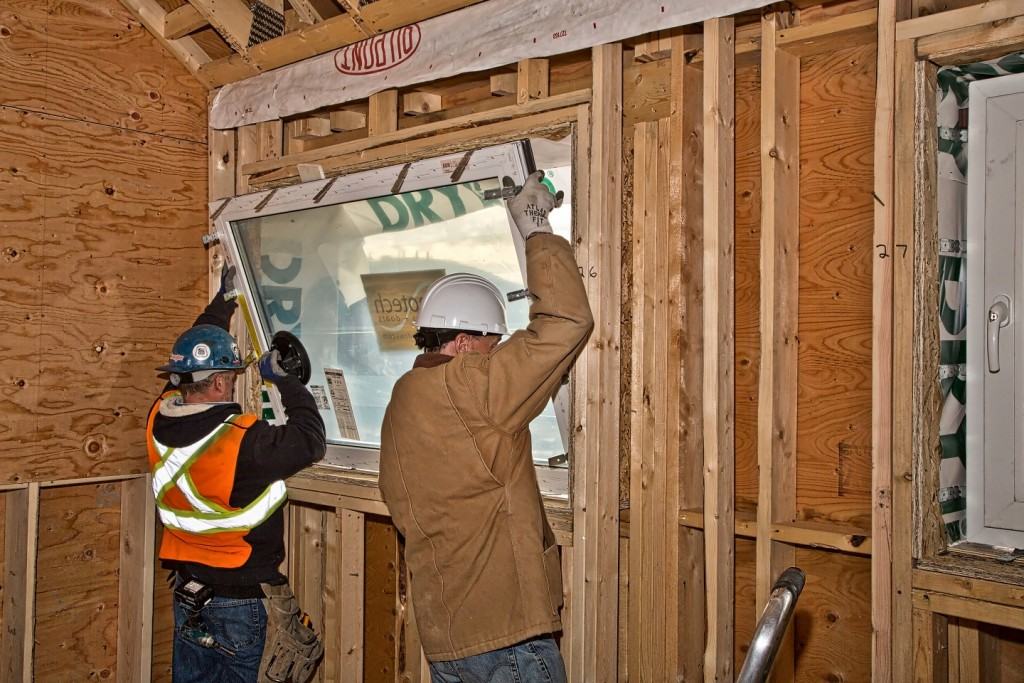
[[462, 301]]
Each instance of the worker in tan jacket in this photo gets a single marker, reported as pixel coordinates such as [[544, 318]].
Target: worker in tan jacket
[[456, 466]]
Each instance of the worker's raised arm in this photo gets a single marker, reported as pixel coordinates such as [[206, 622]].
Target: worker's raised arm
[[219, 311], [525, 371], [278, 452]]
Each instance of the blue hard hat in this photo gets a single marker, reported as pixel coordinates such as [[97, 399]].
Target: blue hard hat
[[203, 348]]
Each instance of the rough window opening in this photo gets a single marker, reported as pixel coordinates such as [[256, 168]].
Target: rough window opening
[[345, 273], [977, 217]]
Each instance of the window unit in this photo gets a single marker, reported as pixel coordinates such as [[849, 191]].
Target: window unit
[[343, 263], [995, 287]]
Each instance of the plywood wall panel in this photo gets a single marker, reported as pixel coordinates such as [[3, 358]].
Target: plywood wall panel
[[381, 599], [1002, 653], [833, 618], [92, 60], [746, 594], [3, 559], [109, 268], [23, 197], [835, 318], [748, 280], [77, 583]]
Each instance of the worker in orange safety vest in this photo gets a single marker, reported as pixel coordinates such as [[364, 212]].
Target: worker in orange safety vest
[[218, 481]]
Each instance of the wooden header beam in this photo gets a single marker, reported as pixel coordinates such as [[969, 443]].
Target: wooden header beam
[[325, 36], [965, 17]]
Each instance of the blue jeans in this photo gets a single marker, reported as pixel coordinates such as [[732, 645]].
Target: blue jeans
[[238, 627], [532, 661]]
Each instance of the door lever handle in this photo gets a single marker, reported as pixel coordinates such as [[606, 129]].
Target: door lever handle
[[998, 318]]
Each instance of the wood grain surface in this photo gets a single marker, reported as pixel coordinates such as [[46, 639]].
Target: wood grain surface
[[77, 583], [102, 266], [746, 593], [381, 599], [92, 60], [833, 618], [748, 280], [163, 621], [834, 367]]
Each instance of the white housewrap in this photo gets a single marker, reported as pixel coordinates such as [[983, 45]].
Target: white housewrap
[[477, 38]]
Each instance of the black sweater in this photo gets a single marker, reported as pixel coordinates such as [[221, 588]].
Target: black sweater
[[267, 453]]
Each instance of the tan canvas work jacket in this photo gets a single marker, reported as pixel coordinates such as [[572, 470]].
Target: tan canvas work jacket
[[456, 471]]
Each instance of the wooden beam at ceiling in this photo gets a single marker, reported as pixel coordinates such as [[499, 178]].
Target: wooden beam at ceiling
[[152, 16], [719, 452], [845, 30], [965, 17], [353, 12], [232, 19], [382, 122], [973, 43], [180, 22], [305, 10], [325, 36]]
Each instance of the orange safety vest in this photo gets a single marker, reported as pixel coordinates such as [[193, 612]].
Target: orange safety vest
[[192, 486]]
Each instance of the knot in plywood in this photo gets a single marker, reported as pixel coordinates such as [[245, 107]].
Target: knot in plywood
[[95, 445]]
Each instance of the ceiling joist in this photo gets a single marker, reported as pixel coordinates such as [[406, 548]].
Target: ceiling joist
[[181, 22], [152, 16], [306, 11], [231, 18], [313, 32]]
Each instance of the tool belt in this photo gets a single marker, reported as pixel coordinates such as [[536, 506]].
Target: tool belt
[[292, 650]]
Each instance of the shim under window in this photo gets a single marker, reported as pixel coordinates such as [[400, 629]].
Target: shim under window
[[343, 264]]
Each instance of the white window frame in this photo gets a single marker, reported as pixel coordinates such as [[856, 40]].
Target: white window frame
[[509, 159], [994, 475]]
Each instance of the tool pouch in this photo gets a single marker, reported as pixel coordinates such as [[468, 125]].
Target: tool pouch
[[292, 650]]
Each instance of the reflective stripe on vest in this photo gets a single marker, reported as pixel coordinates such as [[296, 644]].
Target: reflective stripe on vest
[[207, 516]]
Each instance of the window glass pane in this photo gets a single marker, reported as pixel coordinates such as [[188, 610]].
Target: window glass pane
[[347, 280]]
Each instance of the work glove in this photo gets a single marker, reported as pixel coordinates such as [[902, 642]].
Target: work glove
[[532, 204], [227, 282], [270, 366]]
